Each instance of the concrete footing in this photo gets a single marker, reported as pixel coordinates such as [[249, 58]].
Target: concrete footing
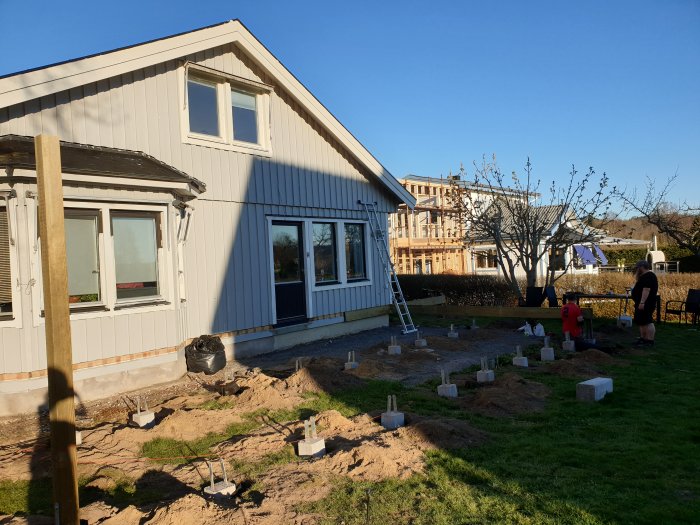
[[313, 447], [421, 343], [520, 361], [547, 354], [351, 365], [223, 488], [447, 390], [594, 389], [394, 350], [78, 438], [145, 419], [453, 335], [392, 420], [568, 346], [485, 376]]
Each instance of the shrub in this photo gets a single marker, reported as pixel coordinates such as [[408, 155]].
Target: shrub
[[689, 263], [468, 290]]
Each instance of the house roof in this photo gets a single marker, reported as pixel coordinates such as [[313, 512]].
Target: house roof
[[34, 83], [17, 151]]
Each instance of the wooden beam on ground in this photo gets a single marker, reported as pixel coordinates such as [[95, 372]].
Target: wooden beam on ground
[[58, 336], [519, 312]]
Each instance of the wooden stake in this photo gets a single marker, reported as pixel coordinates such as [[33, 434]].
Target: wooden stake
[[58, 337]]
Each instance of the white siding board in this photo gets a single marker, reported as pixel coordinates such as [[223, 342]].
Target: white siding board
[[107, 332]]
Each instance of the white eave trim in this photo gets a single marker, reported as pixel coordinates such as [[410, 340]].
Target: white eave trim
[[35, 84]]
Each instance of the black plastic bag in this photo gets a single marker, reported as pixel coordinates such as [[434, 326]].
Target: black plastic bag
[[205, 354]]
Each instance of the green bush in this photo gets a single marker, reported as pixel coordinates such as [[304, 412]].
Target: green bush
[[468, 290], [689, 263]]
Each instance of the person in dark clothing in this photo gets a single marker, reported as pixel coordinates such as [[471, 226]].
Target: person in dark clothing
[[644, 297]]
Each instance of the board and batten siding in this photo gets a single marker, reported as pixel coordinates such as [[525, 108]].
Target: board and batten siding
[[309, 174]]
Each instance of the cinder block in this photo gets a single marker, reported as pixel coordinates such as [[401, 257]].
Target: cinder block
[[569, 346], [78, 438], [392, 420], [394, 350], [624, 321], [485, 376], [448, 390], [313, 447], [594, 389], [421, 343], [520, 361], [145, 419], [453, 335], [351, 365], [547, 353], [221, 489]]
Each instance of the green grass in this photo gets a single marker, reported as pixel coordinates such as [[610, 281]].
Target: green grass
[[252, 469], [632, 458], [216, 404]]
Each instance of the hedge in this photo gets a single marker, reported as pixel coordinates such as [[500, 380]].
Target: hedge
[[467, 290], [689, 263]]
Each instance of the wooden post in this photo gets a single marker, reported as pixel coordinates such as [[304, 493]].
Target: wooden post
[[58, 337]]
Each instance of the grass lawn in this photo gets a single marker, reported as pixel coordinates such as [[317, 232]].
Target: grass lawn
[[632, 458]]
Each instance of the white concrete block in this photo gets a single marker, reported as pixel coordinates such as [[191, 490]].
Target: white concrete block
[[78, 438], [453, 335], [351, 365], [447, 390], [594, 389], [221, 489], [312, 447], [485, 376], [624, 321], [394, 350], [144, 419], [392, 420], [520, 361], [421, 343], [547, 353], [568, 346]]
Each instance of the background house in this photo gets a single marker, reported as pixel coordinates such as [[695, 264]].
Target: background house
[[206, 191]]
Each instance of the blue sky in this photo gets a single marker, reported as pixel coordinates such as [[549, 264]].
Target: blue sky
[[427, 85]]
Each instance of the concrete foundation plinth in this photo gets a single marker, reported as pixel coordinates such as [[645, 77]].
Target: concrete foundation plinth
[[78, 438], [520, 361], [145, 419], [547, 354], [351, 365], [313, 447], [392, 420], [394, 350], [453, 335], [448, 390], [594, 389], [421, 343], [568, 346], [221, 489], [485, 376]]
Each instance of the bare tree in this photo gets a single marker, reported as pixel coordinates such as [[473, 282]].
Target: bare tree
[[681, 223], [526, 226]]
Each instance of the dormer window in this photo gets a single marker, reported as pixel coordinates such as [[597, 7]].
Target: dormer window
[[244, 127]]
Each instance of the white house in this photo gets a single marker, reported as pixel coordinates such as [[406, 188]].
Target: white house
[[206, 191]]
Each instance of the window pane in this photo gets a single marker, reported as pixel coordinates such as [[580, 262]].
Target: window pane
[[201, 101], [82, 256], [355, 251], [285, 248], [245, 124], [135, 256], [324, 252], [5, 278]]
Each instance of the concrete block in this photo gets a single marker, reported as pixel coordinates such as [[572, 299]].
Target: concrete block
[[453, 335], [394, 350], [547, 354], [447, 390], [624, 321], [520, 361], [144, 419], [392, 420], [313, 447], [568, 346], [221, 489], [485, 376], [421, 343], [351, 365], [78, 438], [594, 389]]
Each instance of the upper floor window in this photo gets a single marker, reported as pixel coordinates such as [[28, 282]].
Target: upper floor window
[[244, 126]]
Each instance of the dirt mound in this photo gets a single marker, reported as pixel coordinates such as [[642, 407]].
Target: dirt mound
[[188, 509], [593, 356], [193, 424], [441, 433], [322, 374], [509, 395], [370, 368], [582, 364], [259, 390]]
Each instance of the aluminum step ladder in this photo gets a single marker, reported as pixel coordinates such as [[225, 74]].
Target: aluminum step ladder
[[383, 249]]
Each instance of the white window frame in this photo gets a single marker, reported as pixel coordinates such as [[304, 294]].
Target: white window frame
[[224, 83], [16, 279], [110, 306], [309, 266]]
